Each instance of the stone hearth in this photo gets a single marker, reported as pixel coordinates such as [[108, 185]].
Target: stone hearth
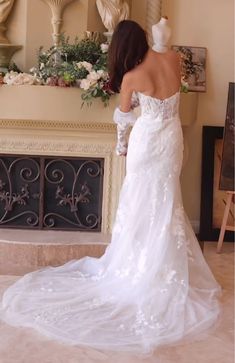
[[22, 251]]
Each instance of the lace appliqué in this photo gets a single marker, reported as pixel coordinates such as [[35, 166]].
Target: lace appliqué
[[154, 107], [135, 102], [123, 120], [143, 323], [178, 226]]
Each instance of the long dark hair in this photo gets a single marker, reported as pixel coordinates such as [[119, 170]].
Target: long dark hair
[[127, 49]]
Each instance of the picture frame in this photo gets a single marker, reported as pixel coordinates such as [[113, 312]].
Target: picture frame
[[212, 198], [227, 165], [193, 66]]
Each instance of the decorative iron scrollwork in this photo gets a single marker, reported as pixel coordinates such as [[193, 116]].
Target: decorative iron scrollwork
[[11, 199], [81, 187], [17, 175], [73, 202], [52, 193]]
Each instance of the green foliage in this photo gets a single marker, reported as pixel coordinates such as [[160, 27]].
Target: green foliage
[[184, 88], [59, 66], [84, 50]]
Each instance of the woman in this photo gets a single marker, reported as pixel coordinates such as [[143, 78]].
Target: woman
[[152, 286]]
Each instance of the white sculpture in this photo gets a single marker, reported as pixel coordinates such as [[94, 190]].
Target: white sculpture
[[57, 7], [6, 49], [161, 35], [112, 12], [5, 8], [153, 15]]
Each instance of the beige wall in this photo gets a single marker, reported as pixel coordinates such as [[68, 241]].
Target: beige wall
[[208, 24], [138, 12]]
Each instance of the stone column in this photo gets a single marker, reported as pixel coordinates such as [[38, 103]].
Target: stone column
[[57, 7]]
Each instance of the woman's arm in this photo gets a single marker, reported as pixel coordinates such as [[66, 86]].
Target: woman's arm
[[123, 116], [126, 93]]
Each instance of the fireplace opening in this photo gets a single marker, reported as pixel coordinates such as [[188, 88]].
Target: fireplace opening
[[53, 193]]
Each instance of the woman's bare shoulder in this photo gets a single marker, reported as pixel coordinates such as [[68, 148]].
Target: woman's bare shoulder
[[130, 79]]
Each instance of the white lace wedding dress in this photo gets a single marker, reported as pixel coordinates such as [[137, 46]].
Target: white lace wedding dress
[[152, 286]]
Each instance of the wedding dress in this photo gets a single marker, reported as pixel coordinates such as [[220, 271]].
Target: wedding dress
[[152, 286]]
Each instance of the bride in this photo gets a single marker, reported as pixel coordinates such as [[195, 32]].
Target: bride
[[152, 286]]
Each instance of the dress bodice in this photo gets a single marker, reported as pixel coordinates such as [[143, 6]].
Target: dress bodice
[[155, 107]]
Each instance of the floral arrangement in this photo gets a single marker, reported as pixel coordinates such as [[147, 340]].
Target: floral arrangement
[[82, 64]]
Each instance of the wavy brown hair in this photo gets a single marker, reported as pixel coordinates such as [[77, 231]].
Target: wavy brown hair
[[127, 49]]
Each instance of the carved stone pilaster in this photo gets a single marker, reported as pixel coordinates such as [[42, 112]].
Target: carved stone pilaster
[[57, 7]]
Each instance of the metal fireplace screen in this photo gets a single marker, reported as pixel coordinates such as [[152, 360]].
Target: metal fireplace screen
[[51, 193]]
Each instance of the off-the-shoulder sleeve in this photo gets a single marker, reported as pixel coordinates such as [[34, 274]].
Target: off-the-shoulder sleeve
[[123, 120]]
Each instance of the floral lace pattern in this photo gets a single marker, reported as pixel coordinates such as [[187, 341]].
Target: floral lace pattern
[[154, 107], [123, 120]]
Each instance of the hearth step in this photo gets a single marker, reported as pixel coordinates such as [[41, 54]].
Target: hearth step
[[22, 251]]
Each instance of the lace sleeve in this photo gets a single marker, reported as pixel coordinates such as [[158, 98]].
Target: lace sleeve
[[135, 102], [123, 120]]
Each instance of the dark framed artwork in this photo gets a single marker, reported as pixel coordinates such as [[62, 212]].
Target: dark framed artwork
[[193, 66], [227, 166], [212, 198]]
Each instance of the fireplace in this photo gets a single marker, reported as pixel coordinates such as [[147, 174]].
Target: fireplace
[[51, 192], [45, 125]]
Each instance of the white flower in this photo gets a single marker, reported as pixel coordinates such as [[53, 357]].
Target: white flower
[[42, 65], [14, 78], [104, 47], [9, 77], [85, 84], [33, 70], [103, 74], [93, 76], [88, 66]]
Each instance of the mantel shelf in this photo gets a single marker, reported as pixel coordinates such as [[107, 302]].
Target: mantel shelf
[[44, 103]]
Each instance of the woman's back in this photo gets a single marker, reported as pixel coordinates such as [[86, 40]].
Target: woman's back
[[157, 76]]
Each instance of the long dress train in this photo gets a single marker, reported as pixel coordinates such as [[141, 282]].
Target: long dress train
[[152, 286]]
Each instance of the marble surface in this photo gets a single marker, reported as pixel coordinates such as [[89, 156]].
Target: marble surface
[[21, 345], [22, 251]]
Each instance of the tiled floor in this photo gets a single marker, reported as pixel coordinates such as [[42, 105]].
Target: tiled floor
[[27, 346]]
